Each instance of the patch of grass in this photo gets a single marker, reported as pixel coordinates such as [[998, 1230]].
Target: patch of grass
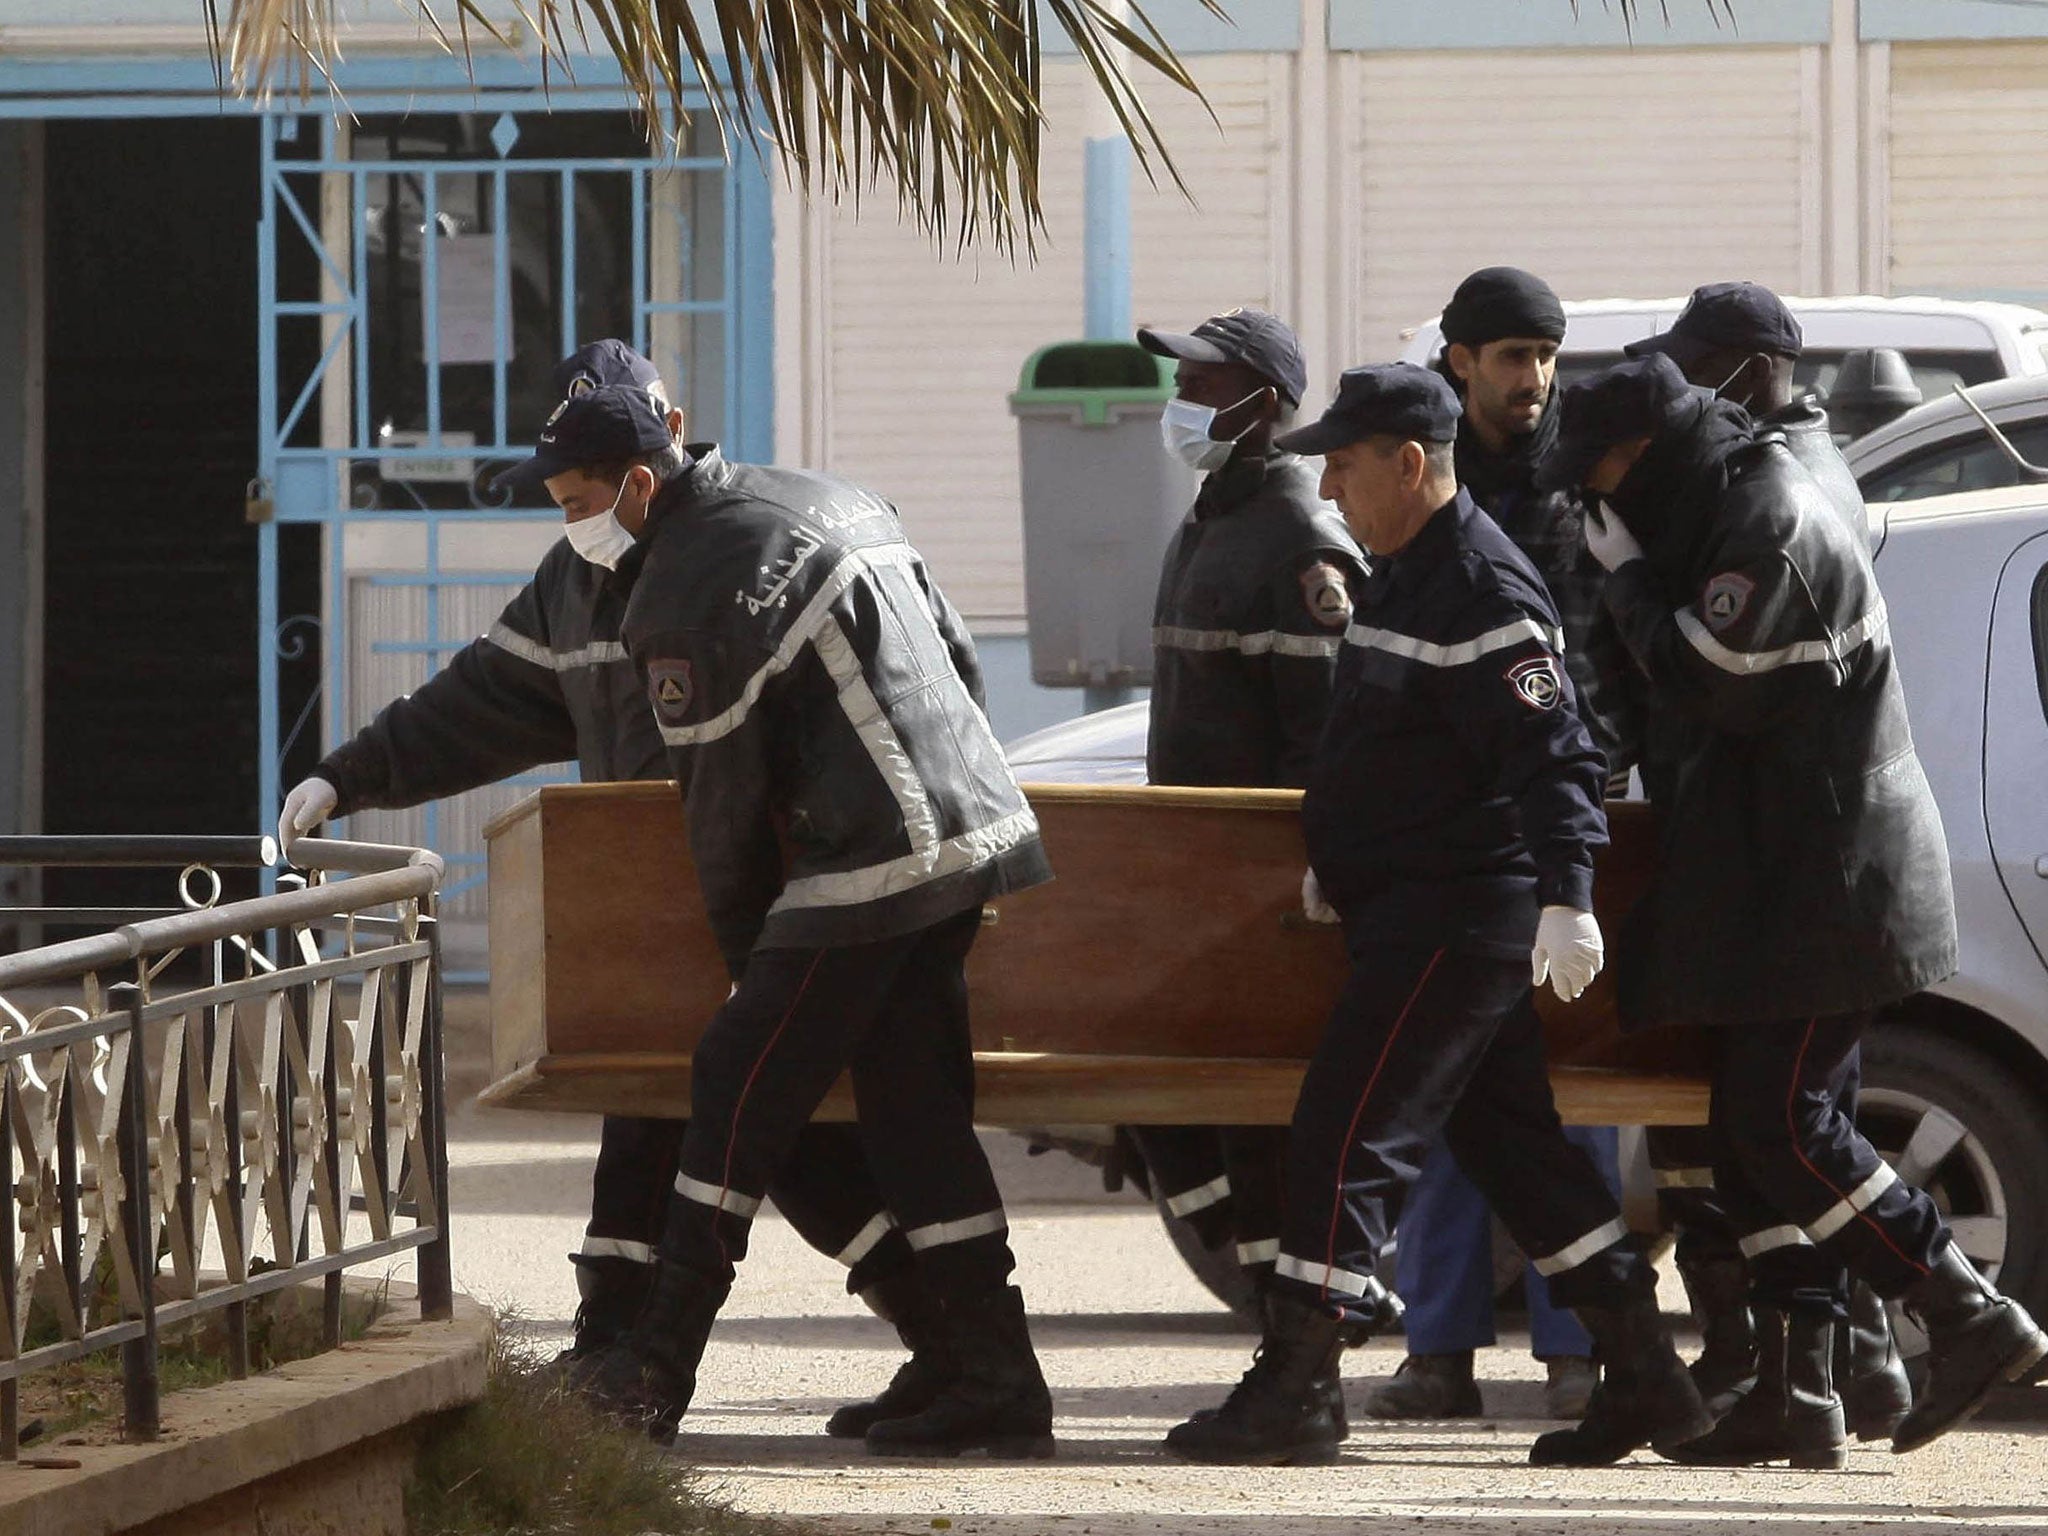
[[530, 1458], [86, 1395]]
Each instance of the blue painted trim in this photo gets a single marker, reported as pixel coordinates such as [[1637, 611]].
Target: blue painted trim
[[751, 327], [1255, 26], [1899, 21], [1399, 25], [1106, 248], [183, 86]]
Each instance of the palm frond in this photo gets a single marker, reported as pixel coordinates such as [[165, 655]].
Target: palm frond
[[938, 98]]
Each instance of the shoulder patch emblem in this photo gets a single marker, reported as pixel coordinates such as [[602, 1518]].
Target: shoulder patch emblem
[[1724, 598], [670, 690], [1328, 598], [1536, 682]]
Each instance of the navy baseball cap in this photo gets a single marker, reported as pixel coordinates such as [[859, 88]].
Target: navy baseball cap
[[1264, 343], [600, 363], [1396, 400], [606, 425], [1726, 317], [1630, 400]]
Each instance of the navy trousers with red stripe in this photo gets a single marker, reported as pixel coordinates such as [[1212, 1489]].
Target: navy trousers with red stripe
[[1425, 1042], [894, 1015], [824, 1191], [1806, 1191]]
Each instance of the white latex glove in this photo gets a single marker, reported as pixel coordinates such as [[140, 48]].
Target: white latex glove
[[1608, 539], [1313, 907], [311, 802], [1568, 951]]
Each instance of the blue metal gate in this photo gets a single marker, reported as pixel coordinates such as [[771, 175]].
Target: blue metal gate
[[421, 274]]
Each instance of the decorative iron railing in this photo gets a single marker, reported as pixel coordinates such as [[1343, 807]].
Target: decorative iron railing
[[216, 1102]]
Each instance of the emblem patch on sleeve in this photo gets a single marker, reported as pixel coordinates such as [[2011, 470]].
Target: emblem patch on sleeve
[[1328, 599], [1536, 682], [669, 690], [1725, 597]]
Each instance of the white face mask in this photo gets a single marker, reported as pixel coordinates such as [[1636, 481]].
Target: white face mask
[[602, 540], [1184, 429]]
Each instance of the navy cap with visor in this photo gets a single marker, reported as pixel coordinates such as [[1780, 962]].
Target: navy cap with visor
[[597, 364], [1263, 343], [607, 425], [1726, 317], [1396, 400]]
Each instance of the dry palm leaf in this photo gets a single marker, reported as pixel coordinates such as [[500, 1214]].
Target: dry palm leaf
[[939, 97]]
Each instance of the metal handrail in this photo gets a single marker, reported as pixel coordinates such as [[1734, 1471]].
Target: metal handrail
[[270, 1099], [138, 852], [187, 930]]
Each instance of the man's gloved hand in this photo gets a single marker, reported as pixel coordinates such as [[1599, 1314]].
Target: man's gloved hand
[[1608, 539], [1313, 907], [311, 802], [1568, 951]]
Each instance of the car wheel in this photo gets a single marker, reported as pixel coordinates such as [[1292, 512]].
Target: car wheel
[[1973, 1134]]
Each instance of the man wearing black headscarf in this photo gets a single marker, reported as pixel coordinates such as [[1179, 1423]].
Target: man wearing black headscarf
[[1501, 332]]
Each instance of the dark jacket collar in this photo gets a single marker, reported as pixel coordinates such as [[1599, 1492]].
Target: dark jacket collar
[[1237, 482], [1435, 542], [706, 471], [1493, 478]]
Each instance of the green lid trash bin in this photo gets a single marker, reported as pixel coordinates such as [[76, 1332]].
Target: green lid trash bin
[[1101, 498]]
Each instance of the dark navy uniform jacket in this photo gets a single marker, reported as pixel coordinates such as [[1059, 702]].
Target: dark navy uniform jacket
[[1253, 600], [821, 704], [1455, 791]]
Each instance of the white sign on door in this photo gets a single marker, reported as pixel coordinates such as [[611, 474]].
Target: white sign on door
[[467, 291]]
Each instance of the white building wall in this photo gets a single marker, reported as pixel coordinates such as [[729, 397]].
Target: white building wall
[[1574, 166], [1967, 183]]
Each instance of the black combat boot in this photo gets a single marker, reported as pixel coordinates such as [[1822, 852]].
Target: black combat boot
[[995, 1398], [1876, 1393], [1816, 1429], [1752, 1431], [646, 1376], [1976, 1339], [1727, 1366], [1429, 1387], [613, 1290], [1279, 1413], [907, 1302], [1645, 1397], [1792, 1414]]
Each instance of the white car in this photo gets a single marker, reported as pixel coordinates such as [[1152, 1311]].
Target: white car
[[1946, 342], [1955, 1087]]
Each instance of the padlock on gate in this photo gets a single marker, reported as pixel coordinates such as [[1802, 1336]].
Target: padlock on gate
[[257, 503]]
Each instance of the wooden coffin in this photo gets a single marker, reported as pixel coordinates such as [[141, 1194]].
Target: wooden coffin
[[1166, 976]]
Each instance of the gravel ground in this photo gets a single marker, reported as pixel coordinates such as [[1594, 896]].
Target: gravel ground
[[1132, 1344]]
